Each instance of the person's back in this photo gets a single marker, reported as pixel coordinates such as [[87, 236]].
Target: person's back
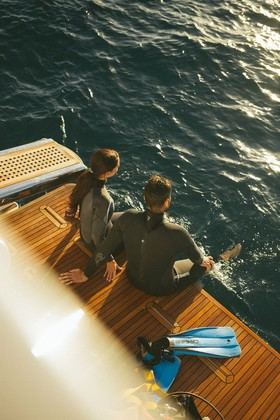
[[96, 210], [152, 246], [91, 197]]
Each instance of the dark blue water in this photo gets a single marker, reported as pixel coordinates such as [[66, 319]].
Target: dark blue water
[[189, 89]]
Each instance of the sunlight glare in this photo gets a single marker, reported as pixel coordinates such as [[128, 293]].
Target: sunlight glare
[[262, 156], [57, 334], [57, 361], [5, 258], [268, 39]]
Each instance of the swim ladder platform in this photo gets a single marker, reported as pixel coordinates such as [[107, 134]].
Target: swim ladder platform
[[244, 388], [35, 163]]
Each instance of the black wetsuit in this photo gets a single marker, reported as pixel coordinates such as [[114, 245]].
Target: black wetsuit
[[152, 245]]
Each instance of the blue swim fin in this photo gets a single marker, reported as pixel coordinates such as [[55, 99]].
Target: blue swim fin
[[164, 364], [218, 342], [165, 371], [162, 355], [215, 352], [208, 341], [207, 332]]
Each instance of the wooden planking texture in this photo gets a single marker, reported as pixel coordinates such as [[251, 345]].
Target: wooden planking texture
[[241, 388]]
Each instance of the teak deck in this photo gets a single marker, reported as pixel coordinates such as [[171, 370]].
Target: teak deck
[[242, 388]]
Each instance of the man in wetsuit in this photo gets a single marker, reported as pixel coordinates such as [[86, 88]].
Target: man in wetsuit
[[153, 246]]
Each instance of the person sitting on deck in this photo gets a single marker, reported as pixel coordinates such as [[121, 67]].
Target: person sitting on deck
[[96, 206], [152, 245]]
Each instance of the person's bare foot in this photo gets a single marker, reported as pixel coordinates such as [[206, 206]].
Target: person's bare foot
[[230, 253]]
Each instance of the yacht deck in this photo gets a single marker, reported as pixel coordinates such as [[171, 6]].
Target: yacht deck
[[241, 388]]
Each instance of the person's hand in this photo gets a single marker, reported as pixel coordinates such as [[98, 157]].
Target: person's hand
[[111, 269], [69, 213], [73, 276], [70, 217], [208, 263]]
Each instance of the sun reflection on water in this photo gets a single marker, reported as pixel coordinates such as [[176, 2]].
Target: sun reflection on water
[[268, 39], [260, 155]]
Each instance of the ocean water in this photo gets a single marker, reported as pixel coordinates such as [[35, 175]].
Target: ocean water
[[188, 89]]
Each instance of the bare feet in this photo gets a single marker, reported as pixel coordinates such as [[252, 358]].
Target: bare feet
[[230, 253], [208, 263]]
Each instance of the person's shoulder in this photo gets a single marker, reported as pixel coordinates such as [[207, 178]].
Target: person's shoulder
[[174, 226], [130, 216], [104, 194], [102, 197], [177, 230], [131, 213]]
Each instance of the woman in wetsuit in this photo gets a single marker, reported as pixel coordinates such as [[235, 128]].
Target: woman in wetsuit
[[92, 199]]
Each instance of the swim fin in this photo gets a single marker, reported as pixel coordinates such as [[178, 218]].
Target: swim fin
[[217, 342], [209, 332], [165, 368], [165, 371], [215, 352], [161, 356]]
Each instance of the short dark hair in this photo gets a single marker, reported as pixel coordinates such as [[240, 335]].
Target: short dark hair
[[157, 190]]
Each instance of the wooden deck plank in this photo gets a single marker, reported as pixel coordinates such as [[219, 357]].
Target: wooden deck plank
[[211, 385], [244, 383], [218, 394], [270, 407], [106, 296], [57, 200], [266, 387], [26, 227], [123, 312], [48, 244], [189, 298], [254, 390], [251, 401], [40, 250], [196, 377]]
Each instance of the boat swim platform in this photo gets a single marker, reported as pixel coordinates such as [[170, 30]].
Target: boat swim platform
[[32, 164], [244, 388]]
